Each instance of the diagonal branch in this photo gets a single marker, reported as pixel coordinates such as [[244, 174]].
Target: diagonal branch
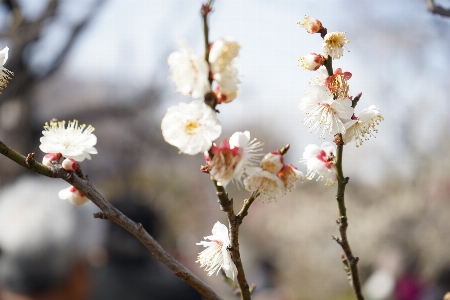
[[109, 212], [437, 9]]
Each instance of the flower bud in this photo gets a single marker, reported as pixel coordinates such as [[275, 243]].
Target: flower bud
[[73, 195], [311, 25], [49, 158], [272, 162], [224, 96], [312, 61], [69, 164]]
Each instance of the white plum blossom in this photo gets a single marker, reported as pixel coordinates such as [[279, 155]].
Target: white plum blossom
[[73, 195], [5, 74], [333, 44], [362, 127], [268, 184], [323, 112], [232, 157], [221, 56], [222, 53], [191, 127], [272, 178], [73, 141], [311, 25], [312, 62], [216, 255], [320, 161], [188, 71]]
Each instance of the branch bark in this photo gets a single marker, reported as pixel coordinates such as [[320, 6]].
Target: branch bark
[[437, 9], [109, 212], [352, 261]]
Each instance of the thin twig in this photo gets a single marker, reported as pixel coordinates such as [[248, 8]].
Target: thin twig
[[342, 221], [109, 212]]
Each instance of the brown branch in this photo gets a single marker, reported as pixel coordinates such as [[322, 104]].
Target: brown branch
[[437, 9], [109, 212], [342, 221]]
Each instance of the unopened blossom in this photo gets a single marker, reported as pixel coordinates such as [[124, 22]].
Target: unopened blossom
[[333, 44], [191, 127], [73, 195], [320, 161], [225, 96], [49, 158], [312, 61], [69, 164], [311, 25], [364, 126], [188, 71], [74, 141], [216, 255], [272, 162], [323, 112], [5, 74], [338, 85], [221, 56], [232, 157]]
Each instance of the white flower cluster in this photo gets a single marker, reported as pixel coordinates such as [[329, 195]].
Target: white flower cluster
[[328, 106], [193, 127]]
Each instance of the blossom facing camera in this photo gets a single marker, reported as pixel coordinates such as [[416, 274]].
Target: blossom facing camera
[[5, 74], [323, 113], [311, 25], [321, 161], [69, 164], [232, 157], [73, 141], [216, 255], [191, 127], [49, 158], [338, 85], [312, 61], [73, 195], [364, 126], [333, 44], [188, 71]]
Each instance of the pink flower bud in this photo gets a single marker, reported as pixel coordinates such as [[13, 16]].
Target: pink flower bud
[[312, 61], [73, 195], [69, 164], [49, 158], [311, 25]]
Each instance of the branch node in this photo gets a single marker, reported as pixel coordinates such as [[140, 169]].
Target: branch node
[[140, 228], [29, 160], [100, 215]]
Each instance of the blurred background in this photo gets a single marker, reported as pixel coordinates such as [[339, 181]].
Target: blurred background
[[103, 62]]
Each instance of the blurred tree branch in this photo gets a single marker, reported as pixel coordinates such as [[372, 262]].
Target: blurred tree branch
[[437, 9], [21, 34]]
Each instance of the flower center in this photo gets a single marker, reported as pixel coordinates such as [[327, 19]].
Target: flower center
[[191, 127]]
